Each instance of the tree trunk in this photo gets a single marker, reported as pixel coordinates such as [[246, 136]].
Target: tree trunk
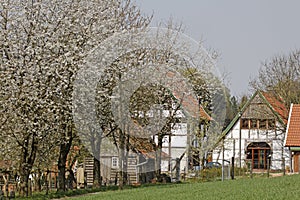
[[62, 171], [47, 182], [65, 146], [121, 159], [125, 162], [63, 154], [96, 147], [24, 178], [28, 155], [158, 157], [97, 173], [125, 169], [121, 176]]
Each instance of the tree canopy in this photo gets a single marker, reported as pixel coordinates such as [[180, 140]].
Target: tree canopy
[[281, 75]]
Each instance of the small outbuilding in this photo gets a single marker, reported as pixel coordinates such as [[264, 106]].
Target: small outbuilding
[[292, 139]]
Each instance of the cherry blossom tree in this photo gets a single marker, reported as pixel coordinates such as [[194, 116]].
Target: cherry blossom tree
[[43, 43]]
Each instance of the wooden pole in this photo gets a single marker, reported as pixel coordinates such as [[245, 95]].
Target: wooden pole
[[232, 168], [268, 171], [283, 160], [223, 159]]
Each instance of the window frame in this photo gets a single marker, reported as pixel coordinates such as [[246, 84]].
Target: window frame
[[255, 122], [243, 123], [273, 122], [263, 124], [114, 162]]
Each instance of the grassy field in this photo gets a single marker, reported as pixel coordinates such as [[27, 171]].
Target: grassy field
[[286, 187]]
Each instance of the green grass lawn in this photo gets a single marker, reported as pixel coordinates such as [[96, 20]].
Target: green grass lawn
[[287, 187]]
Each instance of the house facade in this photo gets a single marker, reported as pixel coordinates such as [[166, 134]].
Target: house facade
[[144, 152], [255, 137], [292, 139], [179, 144]]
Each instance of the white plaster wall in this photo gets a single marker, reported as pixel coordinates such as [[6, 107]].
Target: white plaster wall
[[164, 165], [179, 128], [278, 151], [178, 145], [231, 145]]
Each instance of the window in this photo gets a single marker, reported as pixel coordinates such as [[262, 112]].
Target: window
[[271, 124], [258, 154], [114, 162], [253, 124], [131, 161], [263, 124], [195, 143], [244, 123], [258, 124]]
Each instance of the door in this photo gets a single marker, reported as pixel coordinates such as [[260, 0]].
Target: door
[[259, 158], [258, 153], [296, 162]]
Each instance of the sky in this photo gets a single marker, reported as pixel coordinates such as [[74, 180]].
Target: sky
[[244, 33]]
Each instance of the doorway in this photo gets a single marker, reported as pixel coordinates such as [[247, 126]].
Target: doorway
[[258, 153]]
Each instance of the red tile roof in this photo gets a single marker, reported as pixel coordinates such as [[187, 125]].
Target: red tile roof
[[146, 147], [293, 129], [6, 164], [188, 100], [277, 104], [190, 105], [204, 114]]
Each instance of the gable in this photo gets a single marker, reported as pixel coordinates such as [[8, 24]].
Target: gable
[[258, 109], [269, 105]]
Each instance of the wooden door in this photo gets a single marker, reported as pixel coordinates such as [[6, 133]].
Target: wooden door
[[296, 162]]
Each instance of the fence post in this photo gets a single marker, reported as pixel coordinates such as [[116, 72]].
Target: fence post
[[268, 169], [177, 169], [283, 164], [232, 168], [251, 170]]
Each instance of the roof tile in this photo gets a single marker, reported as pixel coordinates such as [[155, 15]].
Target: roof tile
[[293, 129], [278, 105]]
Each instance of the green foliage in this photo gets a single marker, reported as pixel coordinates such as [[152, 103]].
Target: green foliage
[[243, 101], [231, 109], [210, 174]]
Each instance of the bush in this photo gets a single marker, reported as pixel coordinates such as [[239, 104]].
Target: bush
[[210, 174]]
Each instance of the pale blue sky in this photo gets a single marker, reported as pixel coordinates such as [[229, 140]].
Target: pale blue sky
[[245, 33]]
